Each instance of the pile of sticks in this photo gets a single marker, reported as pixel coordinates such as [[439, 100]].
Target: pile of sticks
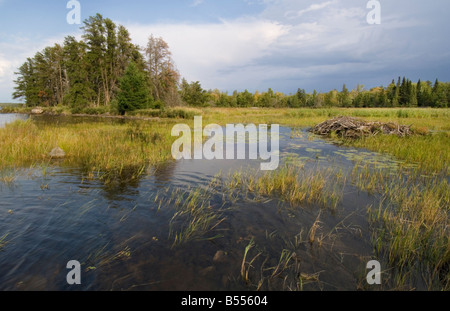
[[350, 127]]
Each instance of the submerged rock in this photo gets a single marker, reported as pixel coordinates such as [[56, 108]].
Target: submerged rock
[[220, 256], [57, 153]]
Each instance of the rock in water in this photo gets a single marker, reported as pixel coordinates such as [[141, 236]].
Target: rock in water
[[57, 153]]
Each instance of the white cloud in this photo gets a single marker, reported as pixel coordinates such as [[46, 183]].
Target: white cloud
[[248, 52], [4, 66], [197, 2], [315, 7], [201, 51]]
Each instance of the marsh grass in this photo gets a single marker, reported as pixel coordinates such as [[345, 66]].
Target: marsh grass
[[293, 183], [431, 153], [200, 210], [410, 227], [101, 149]]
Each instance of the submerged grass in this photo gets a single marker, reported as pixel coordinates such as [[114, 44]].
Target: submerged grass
[[196, 213], [3, 241]]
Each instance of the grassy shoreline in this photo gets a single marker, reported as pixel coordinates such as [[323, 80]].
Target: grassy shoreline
[[431, 152]]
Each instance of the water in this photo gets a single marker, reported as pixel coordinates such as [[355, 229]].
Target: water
[[119, 232], [7, 118]]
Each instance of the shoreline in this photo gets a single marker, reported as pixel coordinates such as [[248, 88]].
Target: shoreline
[[105, 116]]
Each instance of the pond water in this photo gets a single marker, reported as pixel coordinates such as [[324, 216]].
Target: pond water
[[9, 117], [121, 232]]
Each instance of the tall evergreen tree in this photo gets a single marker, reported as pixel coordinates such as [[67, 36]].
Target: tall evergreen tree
[[344, 97], [79, 94], [134, 92]]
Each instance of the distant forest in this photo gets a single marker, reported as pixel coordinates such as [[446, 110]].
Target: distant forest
[[106, 71]]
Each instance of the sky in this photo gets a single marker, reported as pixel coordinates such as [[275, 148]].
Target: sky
[[253, 44]]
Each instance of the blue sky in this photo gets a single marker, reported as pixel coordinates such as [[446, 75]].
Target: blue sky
[[254, 44]]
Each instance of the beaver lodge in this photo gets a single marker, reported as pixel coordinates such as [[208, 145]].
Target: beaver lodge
[[350, 127]]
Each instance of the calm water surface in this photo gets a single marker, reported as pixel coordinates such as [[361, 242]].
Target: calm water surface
[[119, 232]]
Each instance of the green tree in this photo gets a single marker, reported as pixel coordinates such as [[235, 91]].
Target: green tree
[[382, 98], [246, 99], [134, 92], [344, 98], [302, 97], [79, 93], [193, 94], [26, 85], [439, 95], [412, 99]]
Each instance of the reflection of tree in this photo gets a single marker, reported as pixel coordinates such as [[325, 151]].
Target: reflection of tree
[[125, 182], [164, 172]]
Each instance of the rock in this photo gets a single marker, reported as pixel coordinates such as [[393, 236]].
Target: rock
[[207, 271], [57, 153], [219, 256], [37, 110]]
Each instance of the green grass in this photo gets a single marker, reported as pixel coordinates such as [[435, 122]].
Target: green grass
[[431, 153]]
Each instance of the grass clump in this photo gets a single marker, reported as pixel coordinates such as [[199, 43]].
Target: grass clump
[[293, 184], [194, 215]]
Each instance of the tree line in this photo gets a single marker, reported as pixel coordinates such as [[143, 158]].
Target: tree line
[[105, 70], [403, 93]]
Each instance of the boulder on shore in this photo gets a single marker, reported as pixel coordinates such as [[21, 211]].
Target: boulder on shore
[[37, 110], [57, 153]]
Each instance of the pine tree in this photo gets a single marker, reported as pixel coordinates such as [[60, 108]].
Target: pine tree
[[301, 96], [134, 92], [79, 94], [412, 101], [25, 84], [439, 95], [344, 97]]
